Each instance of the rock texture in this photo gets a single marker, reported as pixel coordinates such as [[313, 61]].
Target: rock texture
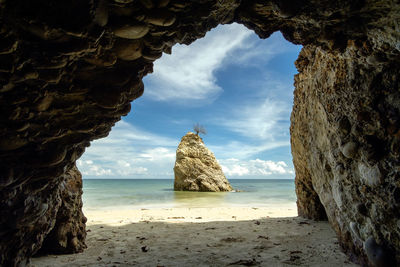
[[69, 232], [196, 168], [69, 70], [345, 136]]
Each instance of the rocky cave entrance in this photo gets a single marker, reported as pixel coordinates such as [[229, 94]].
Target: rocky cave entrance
[[239, 86], [278, 95], [66, 82]]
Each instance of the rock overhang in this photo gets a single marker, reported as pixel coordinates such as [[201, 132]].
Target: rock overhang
[[70, 69]]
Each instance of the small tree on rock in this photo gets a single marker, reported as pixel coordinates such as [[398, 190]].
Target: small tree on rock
[[197, 128]]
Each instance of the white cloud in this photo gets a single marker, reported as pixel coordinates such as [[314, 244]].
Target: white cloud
[[158, 153], [256, 168], [88, 168], [245, 150], [129, 152], [254, 53], [262, 123], [235, 170], [259, 121], [189, 73], [124, 132]]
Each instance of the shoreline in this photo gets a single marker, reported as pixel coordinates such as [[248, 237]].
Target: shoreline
[[221, 236], [128, 215]]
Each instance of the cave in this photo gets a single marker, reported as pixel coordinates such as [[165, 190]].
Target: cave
[[70, 69]]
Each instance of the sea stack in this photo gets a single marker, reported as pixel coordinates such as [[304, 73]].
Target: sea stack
[[196, 168]]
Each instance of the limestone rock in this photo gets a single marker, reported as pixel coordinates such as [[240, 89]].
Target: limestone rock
[[65, 82], [69, 232], [128, 49], [161, 17], [196, 168], [340, 150], [349, 150], [131, 31]]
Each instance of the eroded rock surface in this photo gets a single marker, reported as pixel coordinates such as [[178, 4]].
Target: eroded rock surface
[[69, 232], [69, 70], [196, 168], [345, 135]]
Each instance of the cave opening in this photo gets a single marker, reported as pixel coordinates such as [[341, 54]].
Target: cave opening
[[236, 84], [241, 88], [65, 82]]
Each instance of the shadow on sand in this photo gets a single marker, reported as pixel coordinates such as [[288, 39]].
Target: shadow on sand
[[264, 242]]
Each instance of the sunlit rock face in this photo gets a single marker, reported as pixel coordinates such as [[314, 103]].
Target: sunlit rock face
[[69, 70], [196, 168], [345, 141]]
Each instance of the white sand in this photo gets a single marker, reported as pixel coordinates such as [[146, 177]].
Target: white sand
[[226, 236], [174, 215]]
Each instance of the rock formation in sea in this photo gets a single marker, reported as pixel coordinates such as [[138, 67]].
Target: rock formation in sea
[[196, 168], [70, 69]]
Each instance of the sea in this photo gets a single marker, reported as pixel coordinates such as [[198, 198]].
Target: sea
[[159, 193]]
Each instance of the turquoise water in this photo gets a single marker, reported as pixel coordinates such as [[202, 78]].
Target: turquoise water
[[158, 193]]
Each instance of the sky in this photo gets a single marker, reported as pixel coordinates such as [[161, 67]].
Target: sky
[[239, 87]]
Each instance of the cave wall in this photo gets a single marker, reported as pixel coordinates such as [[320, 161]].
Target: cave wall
[[69, 70], [69, 232], [345, 136]]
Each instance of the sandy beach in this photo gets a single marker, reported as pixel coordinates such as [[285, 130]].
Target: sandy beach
[[223, 236]]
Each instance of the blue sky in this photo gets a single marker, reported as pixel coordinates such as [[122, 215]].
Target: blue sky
[[238, 86]]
